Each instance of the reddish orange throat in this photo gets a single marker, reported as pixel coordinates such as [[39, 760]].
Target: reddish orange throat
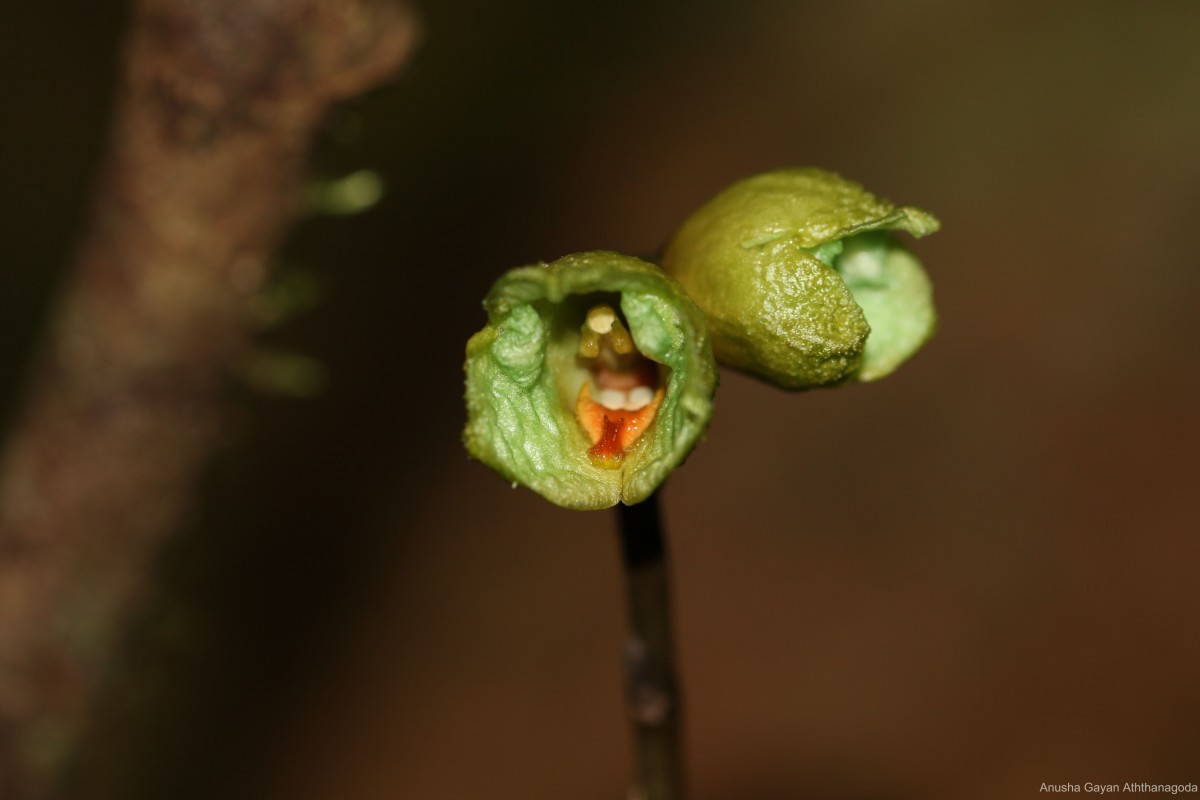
[[613, 432]]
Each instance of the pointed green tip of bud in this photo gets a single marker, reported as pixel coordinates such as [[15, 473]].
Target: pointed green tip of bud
[[800, 281], [592, 380]]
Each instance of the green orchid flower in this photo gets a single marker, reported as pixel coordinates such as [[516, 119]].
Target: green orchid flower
[[592, 380], [802, 281]]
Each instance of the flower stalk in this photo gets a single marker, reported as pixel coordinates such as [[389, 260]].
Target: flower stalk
[[652, 687]]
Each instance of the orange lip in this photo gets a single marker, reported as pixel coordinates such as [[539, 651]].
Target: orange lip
[[613, 431]]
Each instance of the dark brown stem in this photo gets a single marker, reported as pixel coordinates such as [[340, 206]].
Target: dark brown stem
[[216, 109], [653, 691]]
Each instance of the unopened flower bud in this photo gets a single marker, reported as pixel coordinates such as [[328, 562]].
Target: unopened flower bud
[[801, 280]]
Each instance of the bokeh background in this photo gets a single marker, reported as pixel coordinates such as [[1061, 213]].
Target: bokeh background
[[976, 576]]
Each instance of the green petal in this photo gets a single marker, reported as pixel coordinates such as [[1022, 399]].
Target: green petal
[[894, 293], [523, 376], [760, 260]]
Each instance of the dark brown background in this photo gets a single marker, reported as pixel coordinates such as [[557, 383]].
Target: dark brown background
[[974, 577]]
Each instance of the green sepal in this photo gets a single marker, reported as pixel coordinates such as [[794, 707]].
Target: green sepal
[[523, 377], [799, 285]]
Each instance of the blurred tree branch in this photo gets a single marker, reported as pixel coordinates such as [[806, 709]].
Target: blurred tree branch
[[217, 106]]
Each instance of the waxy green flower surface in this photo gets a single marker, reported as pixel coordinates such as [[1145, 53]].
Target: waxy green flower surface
[[801, 280], [541, 383]]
